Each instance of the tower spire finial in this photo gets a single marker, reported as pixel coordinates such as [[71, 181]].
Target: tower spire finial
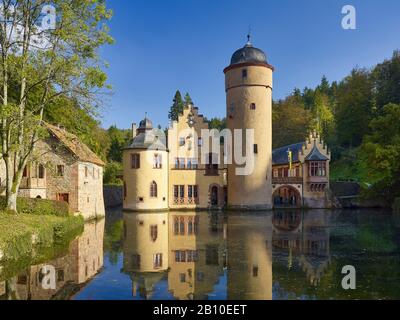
[[249, 36]]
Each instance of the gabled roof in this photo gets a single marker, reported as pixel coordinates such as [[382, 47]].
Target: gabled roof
[[74, 145], [316, 155], [280, 155]]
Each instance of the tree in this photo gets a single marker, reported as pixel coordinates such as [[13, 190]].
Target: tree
[[380, 152], [40, 63], [217, 123], [386, 77], [177, 107], [118, 140], [188, 99], [354, 109], [323, 115], [291, 122]]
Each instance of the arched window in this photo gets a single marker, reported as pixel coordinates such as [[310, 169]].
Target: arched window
[[153, 190]]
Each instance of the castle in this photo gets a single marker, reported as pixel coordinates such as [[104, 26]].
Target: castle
[[162, 173]]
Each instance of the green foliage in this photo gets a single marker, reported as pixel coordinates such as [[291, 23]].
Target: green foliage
[[354, 99], [18, 231], [291, 121], [386, 78], [177, 107], [38, 206], [112, 174], [381, 153], [113, 240], [119, 139], [188, 99], [217, 123]]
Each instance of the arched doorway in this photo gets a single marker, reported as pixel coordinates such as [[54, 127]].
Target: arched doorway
[[287, 197], [214, 196]]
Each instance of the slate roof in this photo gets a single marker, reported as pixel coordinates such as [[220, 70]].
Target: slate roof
[[153, 139], [248, 54], [74, 145], [280, 155], [316, 155]]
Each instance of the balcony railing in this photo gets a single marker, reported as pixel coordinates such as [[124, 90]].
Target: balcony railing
[[183, 201], [287, 180]]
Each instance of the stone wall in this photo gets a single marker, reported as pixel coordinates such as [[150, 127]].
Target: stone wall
[[113, 196]]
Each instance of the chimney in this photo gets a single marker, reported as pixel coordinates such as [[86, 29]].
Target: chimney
[[134, 130]]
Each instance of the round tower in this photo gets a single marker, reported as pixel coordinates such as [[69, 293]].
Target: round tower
[[248, 84], [145, 169]]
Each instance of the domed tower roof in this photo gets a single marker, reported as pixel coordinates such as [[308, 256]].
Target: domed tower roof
[[249, 55], [145, 125]]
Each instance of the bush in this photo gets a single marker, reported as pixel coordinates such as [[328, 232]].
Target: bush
[[39, 206]]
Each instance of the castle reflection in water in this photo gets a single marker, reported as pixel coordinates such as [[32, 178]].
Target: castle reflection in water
[[193, 251], [194, 254]]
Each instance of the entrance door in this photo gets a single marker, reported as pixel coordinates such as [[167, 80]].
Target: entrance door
[[214, 196], [63, 197]]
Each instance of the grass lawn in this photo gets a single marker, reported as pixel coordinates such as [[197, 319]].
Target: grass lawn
[[22, 235]]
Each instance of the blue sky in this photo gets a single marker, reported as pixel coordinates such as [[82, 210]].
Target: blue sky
[[165, 45]]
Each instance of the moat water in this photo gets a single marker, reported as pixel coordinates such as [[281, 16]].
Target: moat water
[[217, 256]]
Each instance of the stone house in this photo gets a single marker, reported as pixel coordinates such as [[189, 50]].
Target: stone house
[[62, 168]]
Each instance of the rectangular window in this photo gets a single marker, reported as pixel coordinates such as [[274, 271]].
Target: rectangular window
[[181, 163], [41, 171], [157, 261], [253, 106], [157, 161], [136, 261], [60, 170], [244, 73], [256, 148], [181, 142], [317, 169], [192, 191], [200, 142], [25, 173], [176, 191], [192, 164], [86, 172], [182, 277], [181, 191], [135, 161], [276, 173]]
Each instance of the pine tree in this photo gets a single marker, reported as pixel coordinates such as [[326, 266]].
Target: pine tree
[[188, 99], [177, 107]]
